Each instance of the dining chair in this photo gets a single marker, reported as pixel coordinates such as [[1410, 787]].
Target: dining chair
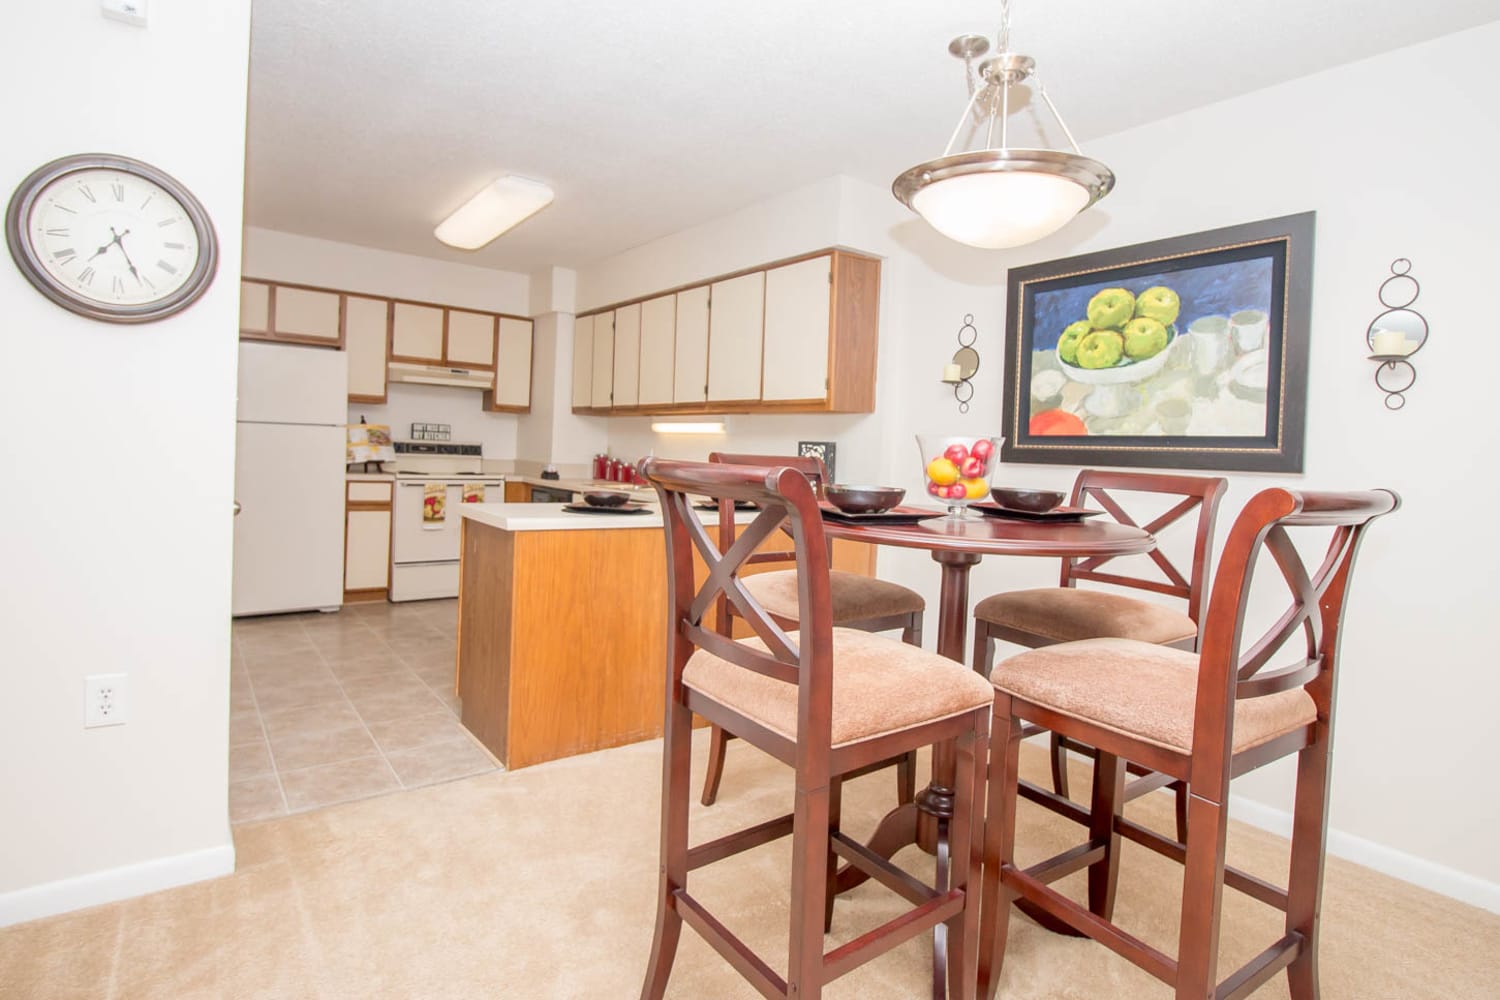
[[1048, 615], [1203, 718], [827, 702], [862, 602]]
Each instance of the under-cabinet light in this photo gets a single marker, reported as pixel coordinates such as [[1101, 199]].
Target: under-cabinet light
[[502, 204], [699, 427]]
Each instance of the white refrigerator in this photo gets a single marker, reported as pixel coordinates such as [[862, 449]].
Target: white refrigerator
[[289, 479]]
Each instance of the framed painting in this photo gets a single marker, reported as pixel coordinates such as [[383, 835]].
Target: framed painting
[[1189, 352]]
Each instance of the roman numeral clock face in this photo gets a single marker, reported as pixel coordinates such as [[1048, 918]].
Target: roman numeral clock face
[[111, 238]]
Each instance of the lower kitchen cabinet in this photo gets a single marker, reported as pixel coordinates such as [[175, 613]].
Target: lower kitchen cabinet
[[367, 540]]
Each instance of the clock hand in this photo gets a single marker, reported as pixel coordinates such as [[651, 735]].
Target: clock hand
[[119, 241]]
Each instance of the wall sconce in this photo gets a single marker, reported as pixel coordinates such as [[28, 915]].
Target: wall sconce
[[965, 363], [1396, 334]]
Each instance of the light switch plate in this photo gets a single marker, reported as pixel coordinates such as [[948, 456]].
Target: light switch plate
[[129, 11]]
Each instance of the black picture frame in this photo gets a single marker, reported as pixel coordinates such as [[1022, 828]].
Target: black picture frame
[[826, 450], [1243, 308]]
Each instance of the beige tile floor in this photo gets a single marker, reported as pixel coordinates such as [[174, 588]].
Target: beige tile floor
[[329, 708]]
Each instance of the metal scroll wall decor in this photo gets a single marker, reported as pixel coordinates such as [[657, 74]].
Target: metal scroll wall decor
[[1396, 334], [961, 370]]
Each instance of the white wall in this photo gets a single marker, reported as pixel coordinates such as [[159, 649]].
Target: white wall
[[304, 259], [1412, 793], [119, 451]]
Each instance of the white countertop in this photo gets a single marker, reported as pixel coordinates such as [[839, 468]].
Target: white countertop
[[552, 517]]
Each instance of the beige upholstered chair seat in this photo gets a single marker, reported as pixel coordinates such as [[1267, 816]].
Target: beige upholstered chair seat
[[855, 598], [1064, 614], [1141, 690], [879, 686]]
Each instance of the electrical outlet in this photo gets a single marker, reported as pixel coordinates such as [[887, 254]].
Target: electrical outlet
[[105, 700]]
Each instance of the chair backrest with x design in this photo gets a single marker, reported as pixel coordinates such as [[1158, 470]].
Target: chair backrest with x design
[[1233, 669], [1199, 494], [785, 496]]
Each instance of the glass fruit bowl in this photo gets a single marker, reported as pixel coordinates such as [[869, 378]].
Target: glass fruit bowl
[[956, 468]]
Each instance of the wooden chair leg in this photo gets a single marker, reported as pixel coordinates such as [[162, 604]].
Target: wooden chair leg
[[831, 880], [906, 771], [1179, 790], [717, 738], [813, 821], [1305, 880], [1202, 899], [984, 649], [1109, 793], [676, 769], [963, 930], [999, 845], [1059, 766]]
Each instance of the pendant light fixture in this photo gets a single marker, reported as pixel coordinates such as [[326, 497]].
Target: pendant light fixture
[[999, 196]]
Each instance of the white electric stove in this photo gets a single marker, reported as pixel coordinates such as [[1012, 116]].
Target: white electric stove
[[424, 553]]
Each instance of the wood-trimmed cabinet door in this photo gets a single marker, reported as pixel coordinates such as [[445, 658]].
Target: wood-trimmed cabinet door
[[795, 361], [470, 339], [306, 315], [513, 350], [736, 321], [602, 395], [658, 333], [690, 367], [627, 375], [255, 310], [366, 328], [416, 333], [583, 362]]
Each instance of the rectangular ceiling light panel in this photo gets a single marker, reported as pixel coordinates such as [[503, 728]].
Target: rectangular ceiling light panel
[[501, 205]]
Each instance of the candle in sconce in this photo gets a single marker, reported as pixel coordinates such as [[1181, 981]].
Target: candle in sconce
[[951, 373], [1389, 342]]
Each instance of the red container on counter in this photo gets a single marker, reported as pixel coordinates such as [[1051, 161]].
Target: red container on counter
[[618, 471], [601, 466]]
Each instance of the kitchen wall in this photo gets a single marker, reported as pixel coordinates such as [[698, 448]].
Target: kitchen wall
[[115, 525], [1412, 791], [305, 260]]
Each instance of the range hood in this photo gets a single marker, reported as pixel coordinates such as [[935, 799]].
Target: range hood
[[464, 378]]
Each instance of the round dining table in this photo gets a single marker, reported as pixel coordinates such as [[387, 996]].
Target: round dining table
[[958, 544]]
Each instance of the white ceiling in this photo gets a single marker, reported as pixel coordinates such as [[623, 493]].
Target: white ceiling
[[370, 121]]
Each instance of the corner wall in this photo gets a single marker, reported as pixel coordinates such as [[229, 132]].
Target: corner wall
[[115, 530]]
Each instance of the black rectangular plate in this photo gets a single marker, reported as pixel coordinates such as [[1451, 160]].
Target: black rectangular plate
[[629, 508], [896, 515], [1055, 514]]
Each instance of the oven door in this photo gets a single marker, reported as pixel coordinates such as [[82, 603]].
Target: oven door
[[416, 541]]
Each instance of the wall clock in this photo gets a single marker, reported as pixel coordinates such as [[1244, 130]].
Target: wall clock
[[111, 238]]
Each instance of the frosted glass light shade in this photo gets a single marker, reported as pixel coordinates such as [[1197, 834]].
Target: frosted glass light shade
[[1000, 198], [499, 206], [995, 211]]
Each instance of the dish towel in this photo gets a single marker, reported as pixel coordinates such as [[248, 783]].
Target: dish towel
[[473, 493], [434, 505]]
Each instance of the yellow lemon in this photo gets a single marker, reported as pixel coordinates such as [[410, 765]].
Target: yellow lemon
[[942, 471]]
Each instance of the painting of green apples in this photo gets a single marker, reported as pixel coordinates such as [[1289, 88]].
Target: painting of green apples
[[1188, 352]]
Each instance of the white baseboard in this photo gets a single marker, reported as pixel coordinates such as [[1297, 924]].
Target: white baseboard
[[113, 884], [1398, 864]]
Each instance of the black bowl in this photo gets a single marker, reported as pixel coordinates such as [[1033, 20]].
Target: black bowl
[[1031, 501], [605, 499], [863, 499]]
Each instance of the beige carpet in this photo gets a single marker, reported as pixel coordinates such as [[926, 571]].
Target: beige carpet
[[539, 884]]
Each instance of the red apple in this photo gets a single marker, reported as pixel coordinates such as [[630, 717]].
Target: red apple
[[983, 449], [957, 491], [956, 453], [935, 489], [971, 467]]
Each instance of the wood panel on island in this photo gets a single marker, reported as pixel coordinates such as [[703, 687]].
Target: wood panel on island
[[794, 336], [376, 330]]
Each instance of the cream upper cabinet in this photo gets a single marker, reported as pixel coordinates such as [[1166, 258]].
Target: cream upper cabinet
[[658, 323], [307, 313], [627, 355], [735, 321], [255, 307], [604, 360], [471, 339], [365, 342], [512, 365], [690, 372], [583, 362], [795, 365], [417, 333]]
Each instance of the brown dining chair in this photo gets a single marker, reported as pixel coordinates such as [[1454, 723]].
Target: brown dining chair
[[1203, 718], [861, 602], [827, 702], [1043, 616]]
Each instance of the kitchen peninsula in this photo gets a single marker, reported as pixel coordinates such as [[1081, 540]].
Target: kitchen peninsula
[[562, 626]]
